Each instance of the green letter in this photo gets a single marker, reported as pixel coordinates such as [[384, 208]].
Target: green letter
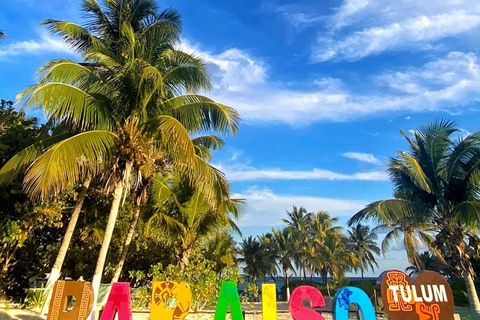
[[228, 295]]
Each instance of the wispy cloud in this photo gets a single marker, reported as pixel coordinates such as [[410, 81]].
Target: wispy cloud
[[247, 173], [267, 208], [362, 157], [241, 81], [399, 34], [45, 44]]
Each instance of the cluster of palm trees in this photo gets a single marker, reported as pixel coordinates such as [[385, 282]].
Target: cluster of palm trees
[[311, 244], [129, 118]]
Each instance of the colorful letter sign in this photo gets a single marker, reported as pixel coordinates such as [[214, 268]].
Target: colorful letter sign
[[348, 295], [119, 300], [313, 296], [228, 296], [427, 296], [170, 300], [269, 302], [63, 291]]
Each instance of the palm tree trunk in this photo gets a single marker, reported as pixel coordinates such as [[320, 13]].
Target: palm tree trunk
[[184, 259], [472, 292], [112, 218], [287, 289], [126, 245], [62, 252]]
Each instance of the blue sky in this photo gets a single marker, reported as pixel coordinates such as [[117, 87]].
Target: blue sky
[[322, 88]]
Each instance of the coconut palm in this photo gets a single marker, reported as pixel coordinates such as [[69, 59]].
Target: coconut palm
[[437, 181], [283, 243], [122, 106], [336, 256], [188, 218], [298, 222], [415, 235], [363, 242], [251, 256], [220, 249]]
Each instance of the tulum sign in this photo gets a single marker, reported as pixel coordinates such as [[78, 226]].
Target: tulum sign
[[427, 297]]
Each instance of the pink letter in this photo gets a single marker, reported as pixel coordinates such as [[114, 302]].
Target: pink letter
[[119, 300], [313, 296]]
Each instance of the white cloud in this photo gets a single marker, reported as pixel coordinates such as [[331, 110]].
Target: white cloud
[[45, 44], [266, 208], [241, 81], [362, 157], [399, 34], [246, 173]]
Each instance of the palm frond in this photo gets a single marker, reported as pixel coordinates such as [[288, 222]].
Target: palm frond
[[390, 211], [63, 163], [79, 38], [24, 158], [65, 102], [200, 114]]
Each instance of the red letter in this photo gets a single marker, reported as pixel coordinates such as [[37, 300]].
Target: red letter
[[313, 296]]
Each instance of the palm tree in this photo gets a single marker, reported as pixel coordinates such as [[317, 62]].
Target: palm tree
[[415, 234], [298, 223], [336, 256], [437, 181], [283, 243], [220, 249], [188, 218], [123, 106], [251, 255], [363, 242]]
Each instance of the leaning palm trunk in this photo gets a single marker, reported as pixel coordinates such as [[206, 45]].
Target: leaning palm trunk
[[57, 266], [112, 218], [126, 245], [472, 292]]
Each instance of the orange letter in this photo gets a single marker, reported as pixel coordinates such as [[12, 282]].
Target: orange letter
[[63, 292]]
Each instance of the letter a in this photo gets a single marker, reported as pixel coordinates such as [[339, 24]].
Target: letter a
[[269, 302], [83, 294], [118, 301], [313, 296], [228, 295]]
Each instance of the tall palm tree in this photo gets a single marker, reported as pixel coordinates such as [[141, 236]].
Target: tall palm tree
[[437, 181], [415, 234], [220, 249], [122, 105], [283, 243], [298, 222], [336, 256], [188, 218], [363, 242], [251, 256]]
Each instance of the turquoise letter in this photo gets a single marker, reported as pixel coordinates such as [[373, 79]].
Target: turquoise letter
[[349, 295]]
